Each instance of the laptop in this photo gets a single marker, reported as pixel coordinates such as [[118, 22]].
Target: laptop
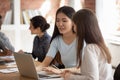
[[26, 67]]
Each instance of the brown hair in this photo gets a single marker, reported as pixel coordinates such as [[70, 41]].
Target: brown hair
[[88, 30], [0, 17]]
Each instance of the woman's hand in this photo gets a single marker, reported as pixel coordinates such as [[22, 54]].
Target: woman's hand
[[7, 52], [52, 70], [66, 74], [39, 68], [21, 51]]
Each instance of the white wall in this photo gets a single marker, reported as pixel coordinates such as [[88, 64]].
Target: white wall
[[106, 16], [20, 38]]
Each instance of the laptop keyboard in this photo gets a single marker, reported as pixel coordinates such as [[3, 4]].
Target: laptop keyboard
[[49, 76]]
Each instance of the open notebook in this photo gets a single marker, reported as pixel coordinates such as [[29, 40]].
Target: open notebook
[[27, 68]]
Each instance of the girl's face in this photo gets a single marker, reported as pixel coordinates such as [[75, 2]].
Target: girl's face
[[63, 23], [33, 30]]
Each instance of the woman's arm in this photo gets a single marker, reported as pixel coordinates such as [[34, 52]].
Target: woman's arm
[[2, 53], [6, 52], [7, 42], [46, 62], [89, 68]]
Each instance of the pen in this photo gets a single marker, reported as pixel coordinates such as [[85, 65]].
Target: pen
[[75, 73], [54, 66]]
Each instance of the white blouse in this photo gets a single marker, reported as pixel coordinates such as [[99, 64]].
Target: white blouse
[[94, 66]]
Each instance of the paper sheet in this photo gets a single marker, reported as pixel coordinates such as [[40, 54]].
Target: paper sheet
[[9, 70]]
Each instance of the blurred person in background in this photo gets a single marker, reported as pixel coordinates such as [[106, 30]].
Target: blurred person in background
[[6, 47], [38, 26]]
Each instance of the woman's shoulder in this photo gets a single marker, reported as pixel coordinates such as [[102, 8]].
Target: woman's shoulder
[[92, 47], [47, 35], [36, 37], [1, 33], [57, 39], [92, 50], [3, 36]]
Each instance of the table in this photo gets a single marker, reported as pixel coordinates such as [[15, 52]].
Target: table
[[14, 75]]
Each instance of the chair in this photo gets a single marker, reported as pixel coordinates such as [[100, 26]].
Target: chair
[[117, 73]]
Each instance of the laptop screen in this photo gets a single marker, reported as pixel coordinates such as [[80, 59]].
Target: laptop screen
[[25, 65]]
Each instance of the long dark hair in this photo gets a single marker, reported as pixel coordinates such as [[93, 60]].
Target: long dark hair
[[0, 17], [88, 30], [68, 11], [0, 21]]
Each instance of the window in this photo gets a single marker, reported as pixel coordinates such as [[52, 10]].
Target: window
[[108, 13]]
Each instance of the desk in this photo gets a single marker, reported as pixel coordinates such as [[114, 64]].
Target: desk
[[15, 75]]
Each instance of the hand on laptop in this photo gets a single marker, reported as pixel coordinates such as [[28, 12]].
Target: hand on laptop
[[66, 74], [39, 68], [7, 52], [52, 70], [21, 51]]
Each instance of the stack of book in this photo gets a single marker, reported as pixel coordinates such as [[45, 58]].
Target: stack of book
[[25, 17], [28, 14]]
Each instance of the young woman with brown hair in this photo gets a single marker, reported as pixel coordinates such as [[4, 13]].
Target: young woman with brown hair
[[94, 57]]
